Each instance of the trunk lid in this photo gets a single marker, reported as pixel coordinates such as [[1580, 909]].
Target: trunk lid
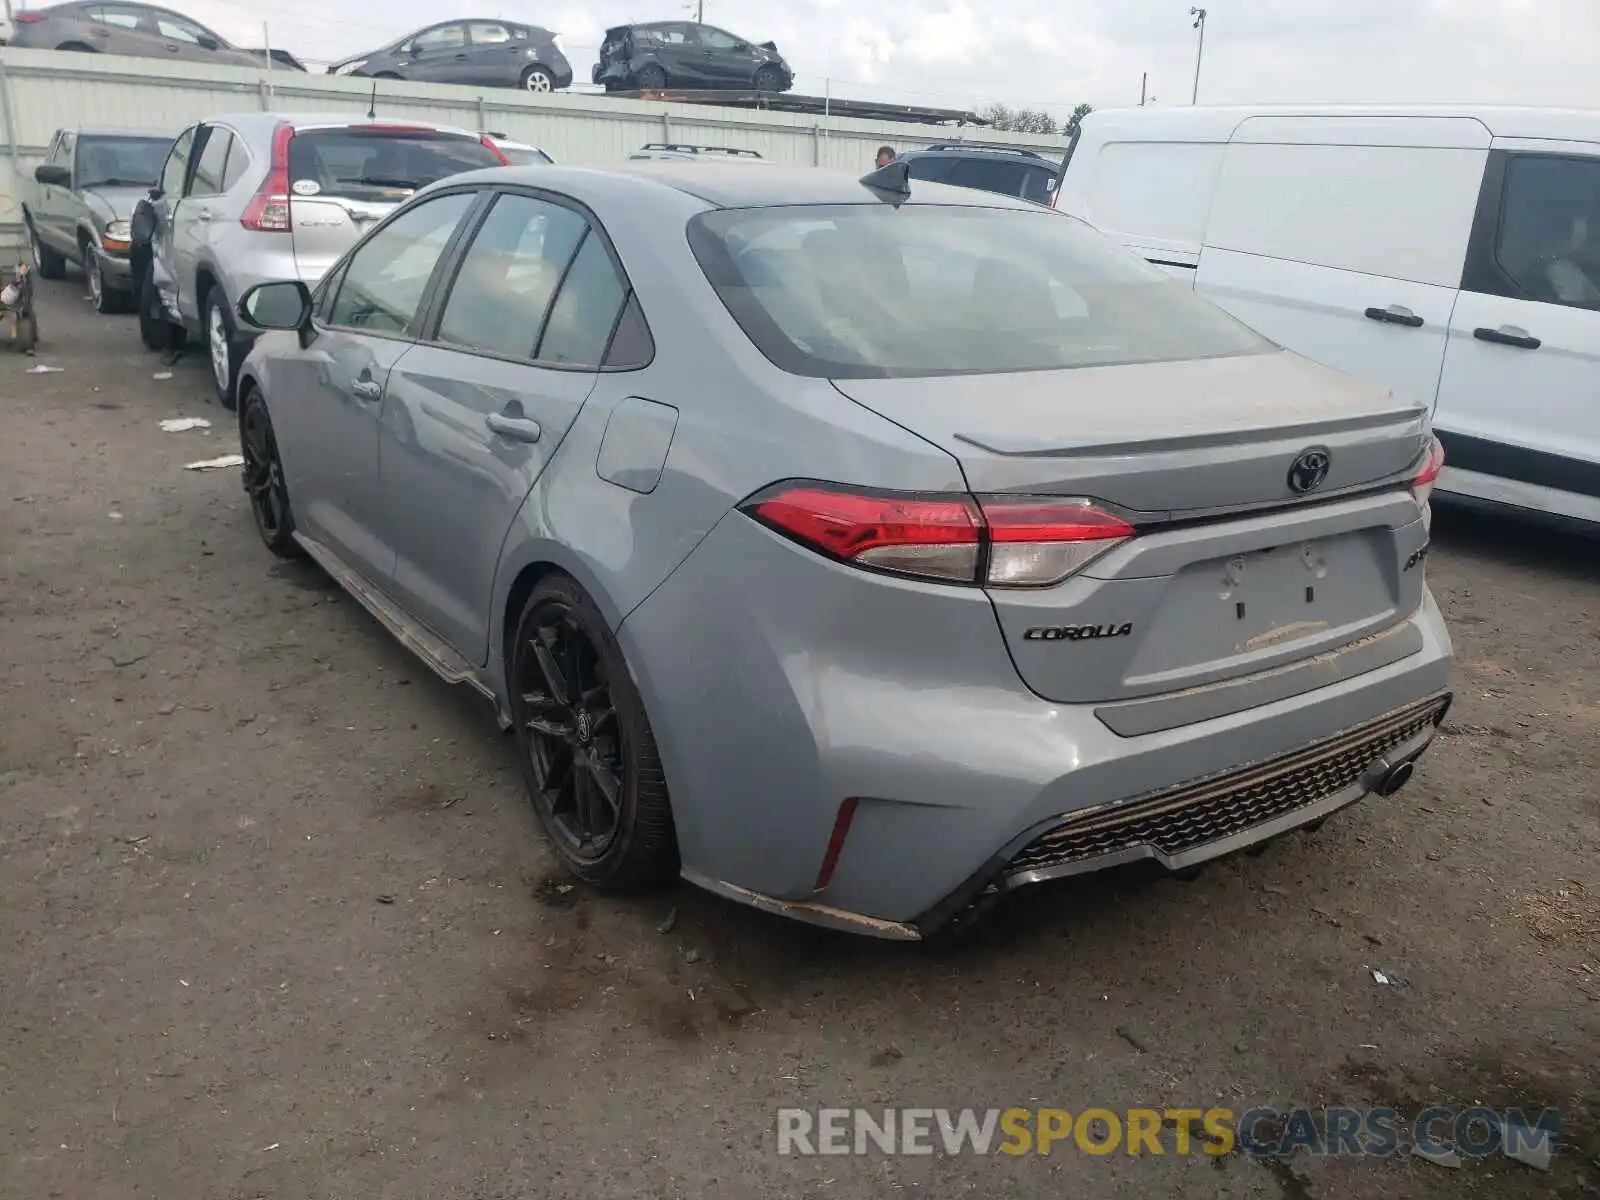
[[1232, 571]]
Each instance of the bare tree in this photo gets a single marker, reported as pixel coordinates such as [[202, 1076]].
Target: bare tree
[[1076, 119], [1020, 120]]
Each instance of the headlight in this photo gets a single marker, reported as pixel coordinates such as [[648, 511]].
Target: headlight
[[346, 68], [119, 231]]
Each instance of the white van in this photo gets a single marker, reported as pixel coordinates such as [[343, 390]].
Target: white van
[[1452, 254]]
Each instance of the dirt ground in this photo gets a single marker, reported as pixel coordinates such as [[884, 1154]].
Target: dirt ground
[[275, 920]]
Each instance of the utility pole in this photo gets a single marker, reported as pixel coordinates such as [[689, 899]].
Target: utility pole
[[1199, 15], [700, 12], [1144, 81]]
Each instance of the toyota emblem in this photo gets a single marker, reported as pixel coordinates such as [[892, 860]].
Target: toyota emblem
[[1308, 472]]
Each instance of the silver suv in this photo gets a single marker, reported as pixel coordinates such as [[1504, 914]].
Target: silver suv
[[256, 197]]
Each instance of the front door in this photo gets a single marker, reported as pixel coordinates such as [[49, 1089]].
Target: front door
[[721, 61], [332, 396], [52, 212], [439, 55], [478, 410], [1519, 401], [164, 264]]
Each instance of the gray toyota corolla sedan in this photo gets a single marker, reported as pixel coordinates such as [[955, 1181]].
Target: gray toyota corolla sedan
[[857, 550]]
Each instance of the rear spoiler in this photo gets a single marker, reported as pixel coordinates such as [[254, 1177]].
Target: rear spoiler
[[771, 46]]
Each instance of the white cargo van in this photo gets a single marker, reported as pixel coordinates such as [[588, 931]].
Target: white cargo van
[[1452, 254]]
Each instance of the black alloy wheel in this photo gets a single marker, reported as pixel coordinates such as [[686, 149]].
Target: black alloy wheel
[[263, 478], [587, 751]]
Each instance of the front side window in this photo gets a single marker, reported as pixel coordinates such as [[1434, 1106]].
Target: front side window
[[501, 295], [180, 30], [388, 275], [715, 39], [1549, 241], [176, 171], [445, 37], [868, 291]]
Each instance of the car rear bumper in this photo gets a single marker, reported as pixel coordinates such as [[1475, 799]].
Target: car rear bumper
[[793, 697]]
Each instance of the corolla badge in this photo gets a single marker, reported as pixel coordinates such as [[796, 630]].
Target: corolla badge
[[1307, 473]]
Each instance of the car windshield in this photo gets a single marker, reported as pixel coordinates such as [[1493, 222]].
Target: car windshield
[[380, 164], [865, 291], [120, 161]]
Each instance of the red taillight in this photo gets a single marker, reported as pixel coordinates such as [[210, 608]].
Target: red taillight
[[27, 18], [841, 830], [999, 541], [1422, 485], [488, 144], [268, 210]]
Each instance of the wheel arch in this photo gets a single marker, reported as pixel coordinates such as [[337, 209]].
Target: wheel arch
[[540, 562]]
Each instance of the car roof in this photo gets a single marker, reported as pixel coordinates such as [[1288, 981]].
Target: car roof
[[266, 122], [1020, 154], [734, 184], [1205, 123], [113, 131]]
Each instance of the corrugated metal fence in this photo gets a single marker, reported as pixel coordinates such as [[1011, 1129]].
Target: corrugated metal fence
[[42, 91]]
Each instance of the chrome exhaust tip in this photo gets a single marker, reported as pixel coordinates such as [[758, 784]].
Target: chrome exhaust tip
[[1395, 778]]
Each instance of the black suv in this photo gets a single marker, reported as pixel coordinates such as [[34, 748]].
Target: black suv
[[685, 54], [1009, 171]]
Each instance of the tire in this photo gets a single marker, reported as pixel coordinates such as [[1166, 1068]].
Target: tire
[[222, 346], [106, 300], [386, 75], [263, 478], [538, 79], [46, 261], [769, 79], [583, 737], [653, 78], [155, 331], [76, 48]]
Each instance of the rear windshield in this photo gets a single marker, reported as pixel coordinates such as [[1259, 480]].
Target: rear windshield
[[120, 161], [383, 164], [871, 291]]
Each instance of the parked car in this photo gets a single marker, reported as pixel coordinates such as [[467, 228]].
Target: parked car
[[1009, 171], [490, 53], [81, 204], [1452, 254], [518, 154], [856, 554], [259, 196], [685, 54], [688, 152], [139, 30]]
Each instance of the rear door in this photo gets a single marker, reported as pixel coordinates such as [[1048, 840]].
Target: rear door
[[1344, 238], [196, 216], [494, 57], [477, 411], [342, 178], [167, 207], [1519, 402], [121, 29]]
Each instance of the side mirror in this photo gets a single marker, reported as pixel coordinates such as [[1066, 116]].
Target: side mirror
[[53, 174], [412, 49], [208, 43], [282, 304]]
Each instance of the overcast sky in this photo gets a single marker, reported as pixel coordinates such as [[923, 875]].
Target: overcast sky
[[964, 53]]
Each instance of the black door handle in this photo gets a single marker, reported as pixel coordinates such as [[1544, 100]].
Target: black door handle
[[1506, 336], [1395, 315]]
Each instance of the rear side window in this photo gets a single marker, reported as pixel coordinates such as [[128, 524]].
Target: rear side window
[[208, 172], [868, 291], [377, 164], [989, 174], [932, 169], [389, 273], [508, 276], [585, 311]]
